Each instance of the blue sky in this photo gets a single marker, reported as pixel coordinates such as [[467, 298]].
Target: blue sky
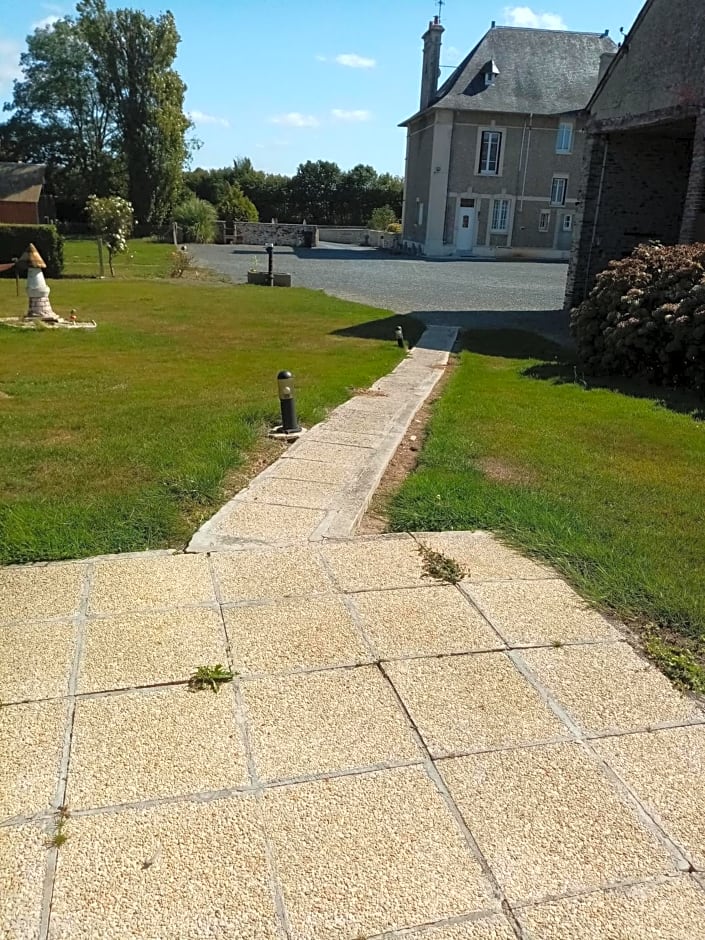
[[283, 81]]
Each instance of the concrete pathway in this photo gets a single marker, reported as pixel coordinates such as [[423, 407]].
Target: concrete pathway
[[323, 484], [397, 757]]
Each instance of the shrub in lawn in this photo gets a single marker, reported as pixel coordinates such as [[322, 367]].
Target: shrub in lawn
[[181, 261], [645, 317], [14, 240], [197, 218], [111, 218]]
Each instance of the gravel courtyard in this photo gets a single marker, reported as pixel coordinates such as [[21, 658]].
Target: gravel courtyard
[[467, 293]]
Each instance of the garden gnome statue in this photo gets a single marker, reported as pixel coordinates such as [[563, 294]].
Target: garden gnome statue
[[37, 289]]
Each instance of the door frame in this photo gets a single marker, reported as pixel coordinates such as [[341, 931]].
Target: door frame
[[459, 212]]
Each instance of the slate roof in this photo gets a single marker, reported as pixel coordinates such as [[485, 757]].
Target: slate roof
[[541, 71], [21, 182]]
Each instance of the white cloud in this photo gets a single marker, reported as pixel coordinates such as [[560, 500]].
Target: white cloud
[[354, 61], [295, 119], [351, 116], [525, 16], [9, 61], [198, 117], [46, 21]]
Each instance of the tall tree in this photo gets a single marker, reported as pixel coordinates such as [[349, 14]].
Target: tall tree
[[132, 56], [314, 190], [61, 114]]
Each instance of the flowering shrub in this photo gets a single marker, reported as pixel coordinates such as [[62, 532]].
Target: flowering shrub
[[646, 317], [111, 218]]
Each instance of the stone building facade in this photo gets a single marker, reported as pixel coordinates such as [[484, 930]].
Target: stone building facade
[[644, 166], [494, 157]]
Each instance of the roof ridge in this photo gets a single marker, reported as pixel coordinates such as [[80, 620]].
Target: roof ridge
[[545, 29]]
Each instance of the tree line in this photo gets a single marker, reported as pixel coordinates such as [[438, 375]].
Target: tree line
[[318, 192], [100, 103]]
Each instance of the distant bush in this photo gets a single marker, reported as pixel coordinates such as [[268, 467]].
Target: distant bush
[[197, 218], [14, 240], [381, 218], [236, 207], [645, 317], [394, 228]]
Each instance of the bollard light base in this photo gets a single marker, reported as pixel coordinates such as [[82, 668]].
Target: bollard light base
[[279, 434]]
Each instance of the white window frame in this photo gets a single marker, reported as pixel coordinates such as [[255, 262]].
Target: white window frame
[[502, 217], [485, 171], [545, 220], [567, 223], [556, 190], [565, 128], [419, 212]]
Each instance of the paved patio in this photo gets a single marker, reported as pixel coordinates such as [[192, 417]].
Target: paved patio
[[483, 760]]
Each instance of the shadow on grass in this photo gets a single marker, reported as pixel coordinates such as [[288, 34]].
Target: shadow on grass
[[384, 329]]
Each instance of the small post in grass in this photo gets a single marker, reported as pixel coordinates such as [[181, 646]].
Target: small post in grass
[[269, 248], [101, 263], [290, 424], [17, 276], [399, 334]]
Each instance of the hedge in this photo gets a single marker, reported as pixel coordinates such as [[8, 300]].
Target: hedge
[[645, 317], [14, 240]]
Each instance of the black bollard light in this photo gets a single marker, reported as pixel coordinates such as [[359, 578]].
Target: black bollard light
[[269, 248], [399, 333], [290, 424]]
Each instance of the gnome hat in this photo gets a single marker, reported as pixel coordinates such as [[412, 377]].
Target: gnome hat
[[32, 257]]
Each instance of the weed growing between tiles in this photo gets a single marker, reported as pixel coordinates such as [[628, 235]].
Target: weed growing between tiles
[[210, 677], [440, 567], [60, 835]]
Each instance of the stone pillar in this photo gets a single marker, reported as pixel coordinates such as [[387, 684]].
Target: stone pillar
[[695, 198], [582, 267]]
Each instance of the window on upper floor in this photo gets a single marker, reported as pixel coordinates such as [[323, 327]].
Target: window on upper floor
[[564, 140], [559, 189], [490, 152], [500, 215]]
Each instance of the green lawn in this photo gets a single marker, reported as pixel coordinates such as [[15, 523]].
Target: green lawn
[[120, 439], [143, 258], [608, 486]]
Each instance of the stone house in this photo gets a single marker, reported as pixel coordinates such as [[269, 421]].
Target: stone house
[[644, 171], [494, 155], [20, 193]]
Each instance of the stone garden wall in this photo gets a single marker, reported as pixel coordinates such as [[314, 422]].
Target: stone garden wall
[[280, 233]]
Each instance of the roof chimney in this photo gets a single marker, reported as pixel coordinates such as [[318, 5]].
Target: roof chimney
[[605, 62], [431, 70]]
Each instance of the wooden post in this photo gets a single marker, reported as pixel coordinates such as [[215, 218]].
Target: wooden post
[[17, 276], [101, 263]]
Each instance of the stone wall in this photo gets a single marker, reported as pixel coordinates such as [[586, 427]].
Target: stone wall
[[351, 235], [280, 233]]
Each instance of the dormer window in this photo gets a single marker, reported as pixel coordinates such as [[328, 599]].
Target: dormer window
[[490, 72]]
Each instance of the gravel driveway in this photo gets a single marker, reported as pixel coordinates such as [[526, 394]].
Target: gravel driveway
[[465, 293]]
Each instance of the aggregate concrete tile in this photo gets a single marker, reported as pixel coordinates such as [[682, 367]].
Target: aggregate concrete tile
[[483, 557], [332, 454], [255, 575], [375, 564], [423, 622], [325, 721], [37, 593], [181, 871], [494, 927], [149, 649], [368, 441], [314, 471], [36, 660], [135, 583], [538, 612], [136, 746], [31, 743], [22, 859], [351, 422], [363, 854], [472, 703], [666, 770], [669, 910], [608, 688], [549, 822], [293, 493], [307, 633], [269, 522]]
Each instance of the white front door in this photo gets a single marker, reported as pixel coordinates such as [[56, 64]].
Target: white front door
[[465, 227]]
